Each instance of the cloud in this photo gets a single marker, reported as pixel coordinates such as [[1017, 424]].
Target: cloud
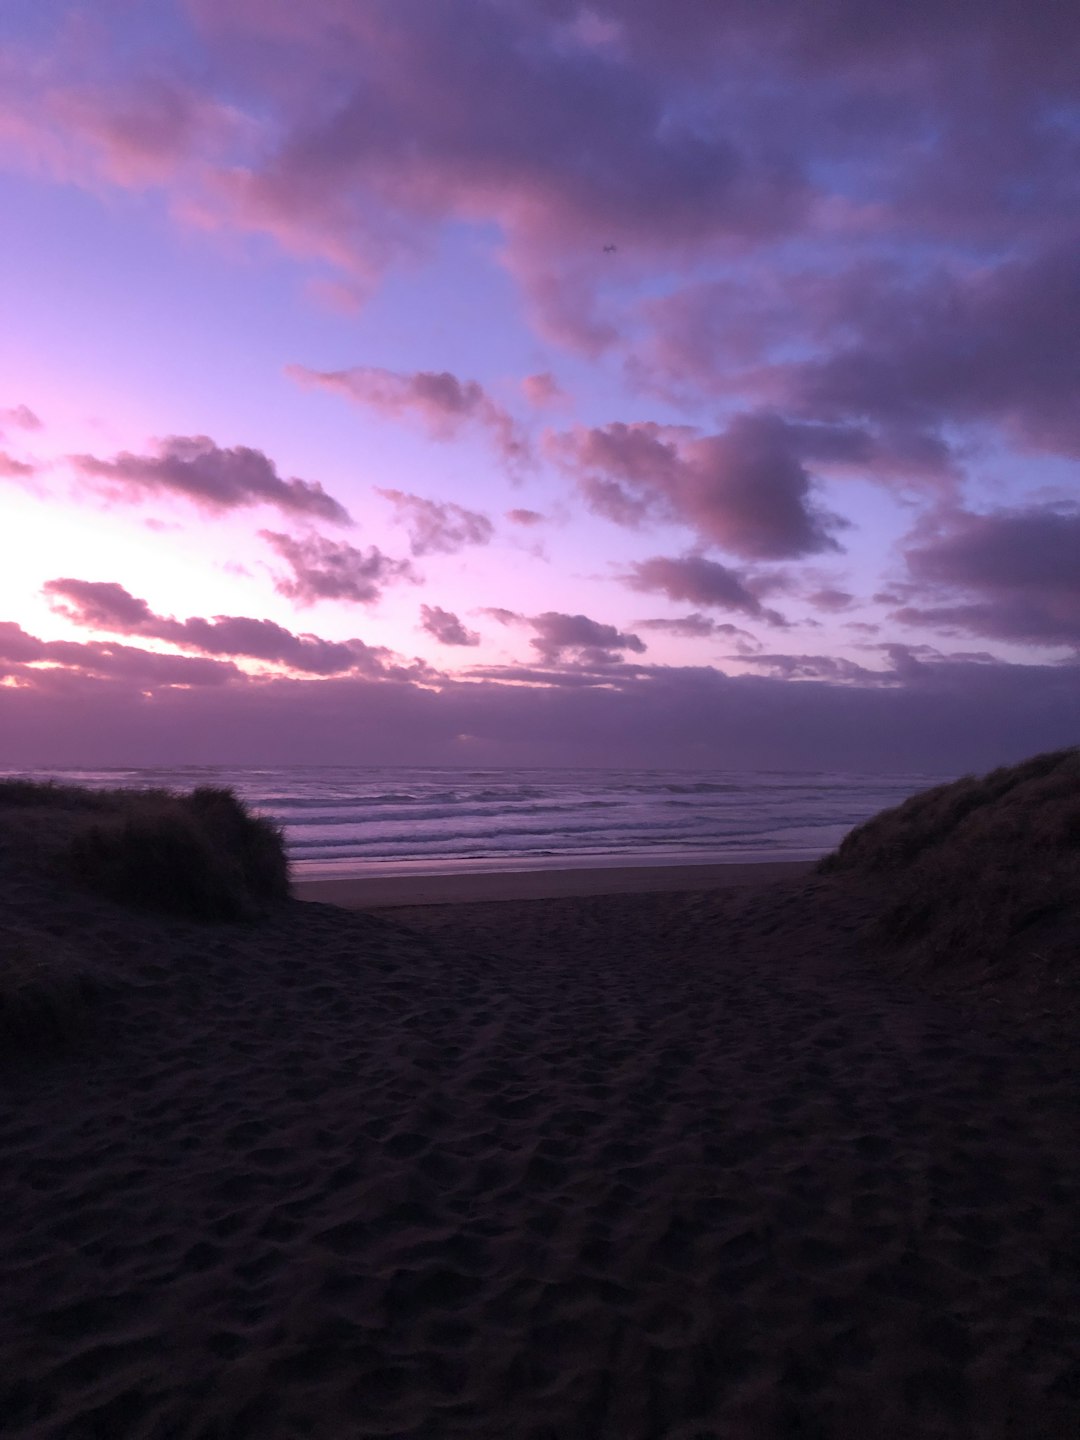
[[591, 641], [745, 489], [368, 128], [445, 627], [695, 627], [1007, 574], [997, 345], [699, 581], [105, 605], [494, 118], [100, 605], [86, 660], [438, 527], [831, 599], [21, 416], [834, 668], [12, 469], [922, 714], [525, 517], [439, 400], [325, 569], [542, 390], [214, 478]]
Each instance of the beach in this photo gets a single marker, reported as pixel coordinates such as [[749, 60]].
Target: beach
[[442, 886], [594, 1159]]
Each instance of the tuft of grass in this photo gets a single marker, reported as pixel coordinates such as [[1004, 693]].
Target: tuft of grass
[[204, 856], [46, 990], [984, 870]]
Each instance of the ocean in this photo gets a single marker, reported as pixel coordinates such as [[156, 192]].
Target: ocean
[[367, 820]]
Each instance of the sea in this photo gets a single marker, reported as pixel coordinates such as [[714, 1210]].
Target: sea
[[360, 820]]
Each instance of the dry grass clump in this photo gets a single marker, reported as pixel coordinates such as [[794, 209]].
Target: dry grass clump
[[986, 869], [204, 856], [46, 990]]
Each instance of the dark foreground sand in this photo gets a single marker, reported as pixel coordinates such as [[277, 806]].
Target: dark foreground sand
[[664, 1165]]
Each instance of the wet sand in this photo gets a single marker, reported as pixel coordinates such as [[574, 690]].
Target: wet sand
[[372, 892], [655, 1166]]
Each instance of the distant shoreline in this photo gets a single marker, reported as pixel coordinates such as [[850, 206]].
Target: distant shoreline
[[556, 880]]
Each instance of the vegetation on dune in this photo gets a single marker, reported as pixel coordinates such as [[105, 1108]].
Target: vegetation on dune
[[203, 856], [984, 870], [46, 989]]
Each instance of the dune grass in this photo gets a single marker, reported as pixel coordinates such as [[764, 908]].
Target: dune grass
[[46, 989], [985, 870], [203, 856]]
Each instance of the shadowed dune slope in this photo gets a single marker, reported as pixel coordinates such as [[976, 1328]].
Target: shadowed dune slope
[[980, 876]]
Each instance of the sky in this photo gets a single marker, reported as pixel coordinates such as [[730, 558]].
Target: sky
[[523, 382]]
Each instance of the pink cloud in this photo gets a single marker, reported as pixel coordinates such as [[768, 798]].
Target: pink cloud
[[148, 131], [445, 627], [700, 581], [21, 416], [589, 640], [438, 527], [831, 599], [12, 469], [440, 401], [697, 627], [542, 390], [325, 569], [366, 127], [528, 518], [105, 605], [113, 661], [214, 478]]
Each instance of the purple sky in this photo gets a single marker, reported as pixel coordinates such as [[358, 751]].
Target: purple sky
[[526, 382]]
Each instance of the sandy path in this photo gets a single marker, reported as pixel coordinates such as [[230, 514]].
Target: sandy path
[[622, 1167]]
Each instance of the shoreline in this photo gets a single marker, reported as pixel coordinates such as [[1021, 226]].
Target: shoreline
[[384, 891]]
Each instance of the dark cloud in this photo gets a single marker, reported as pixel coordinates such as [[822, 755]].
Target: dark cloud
[[831, 599], [102, 605], [699, 581], [995, 345], [439, 527], [445, 627], [684, 133], [926, 713], [99, 604], [439, 400], [214, 478], [91, 659], [502, 116], [325, 569], [745, 489], [694, 627], [589, 640], [525, 517], [1009, 574]]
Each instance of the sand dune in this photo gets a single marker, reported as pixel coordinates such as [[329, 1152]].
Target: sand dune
[[667, 1165]]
